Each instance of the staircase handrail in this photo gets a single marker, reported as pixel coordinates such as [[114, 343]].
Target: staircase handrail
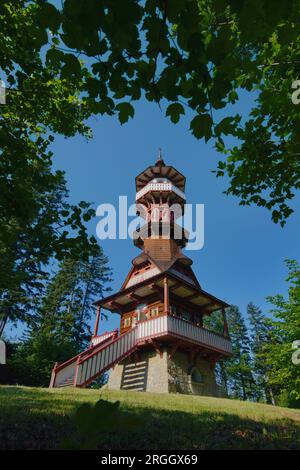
[[102, 345], [88, 350]]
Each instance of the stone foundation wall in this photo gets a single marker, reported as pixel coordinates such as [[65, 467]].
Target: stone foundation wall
[[191, 377], [130, 374], [152, 373], [158, 372]]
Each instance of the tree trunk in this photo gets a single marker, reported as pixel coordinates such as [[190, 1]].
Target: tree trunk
[[243, 387]]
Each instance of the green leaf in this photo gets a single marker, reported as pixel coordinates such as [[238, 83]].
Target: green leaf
[[220, 147], [54, 57], [72, 66], [226, 126], [232, 96], [174, 110], [93, 86], [49, 16], [125, 111], [201, 126]]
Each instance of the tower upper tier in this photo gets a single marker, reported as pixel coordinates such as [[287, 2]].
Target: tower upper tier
[[160, 181], [160, 201]]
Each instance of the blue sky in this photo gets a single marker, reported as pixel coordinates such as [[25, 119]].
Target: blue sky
[[244, 251]]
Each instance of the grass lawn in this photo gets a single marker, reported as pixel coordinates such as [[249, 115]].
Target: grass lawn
[[37, 418]]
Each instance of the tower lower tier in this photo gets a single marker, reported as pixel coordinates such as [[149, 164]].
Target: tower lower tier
[[166, 371], [167, 336]]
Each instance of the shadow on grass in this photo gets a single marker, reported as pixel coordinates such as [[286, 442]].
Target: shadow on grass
[[38, 420]]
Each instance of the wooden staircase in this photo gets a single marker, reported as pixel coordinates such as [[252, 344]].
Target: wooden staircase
[[67, 382], [94, 361]]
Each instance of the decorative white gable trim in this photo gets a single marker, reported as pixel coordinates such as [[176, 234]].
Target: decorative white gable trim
[[143, 276]]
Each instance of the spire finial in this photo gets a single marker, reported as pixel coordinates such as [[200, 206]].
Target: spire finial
[[159, 161]]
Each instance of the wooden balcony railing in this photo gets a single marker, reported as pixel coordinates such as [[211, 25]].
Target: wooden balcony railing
[[174, 326]]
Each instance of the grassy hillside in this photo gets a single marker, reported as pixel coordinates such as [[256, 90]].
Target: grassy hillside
[[36, 418]]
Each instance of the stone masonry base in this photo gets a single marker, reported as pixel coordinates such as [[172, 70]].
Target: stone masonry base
[[149, 371]]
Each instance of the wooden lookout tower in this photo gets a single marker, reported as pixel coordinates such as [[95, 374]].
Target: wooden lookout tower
[[162, 345]]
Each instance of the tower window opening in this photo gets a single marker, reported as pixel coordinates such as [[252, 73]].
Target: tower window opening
[[127, 322], [186, 316], [196, 381], [154, 312], [173, 310]]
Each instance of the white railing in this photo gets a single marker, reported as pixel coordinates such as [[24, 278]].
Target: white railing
[[104, 358], [100, 338], [149, 328], [174, 326], [143, 276], [202, 336], [64, 375], [159, 187]]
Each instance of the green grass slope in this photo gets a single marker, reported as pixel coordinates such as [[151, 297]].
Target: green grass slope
[[36, 418]]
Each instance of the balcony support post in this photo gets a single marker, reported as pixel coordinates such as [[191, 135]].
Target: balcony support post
[[96, 327], [166, 296], [156, 347], [213, 360]]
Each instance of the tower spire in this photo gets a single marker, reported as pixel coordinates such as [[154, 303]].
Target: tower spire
[[159, 161]]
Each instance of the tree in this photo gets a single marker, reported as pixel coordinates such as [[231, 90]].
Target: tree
[[34, 230], [60, 328], [285, 330], [37, 222], [66, 309], [63, 63], [240, 367], [214, 322], [95, 277], [236, 373], [260, 334], [33, 359], [194, 55]]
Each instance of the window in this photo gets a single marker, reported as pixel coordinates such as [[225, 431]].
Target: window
[[127, 322], [196, 381], [140, 312], [154, 312], [178, 313], [186, 316], [173, 310]]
